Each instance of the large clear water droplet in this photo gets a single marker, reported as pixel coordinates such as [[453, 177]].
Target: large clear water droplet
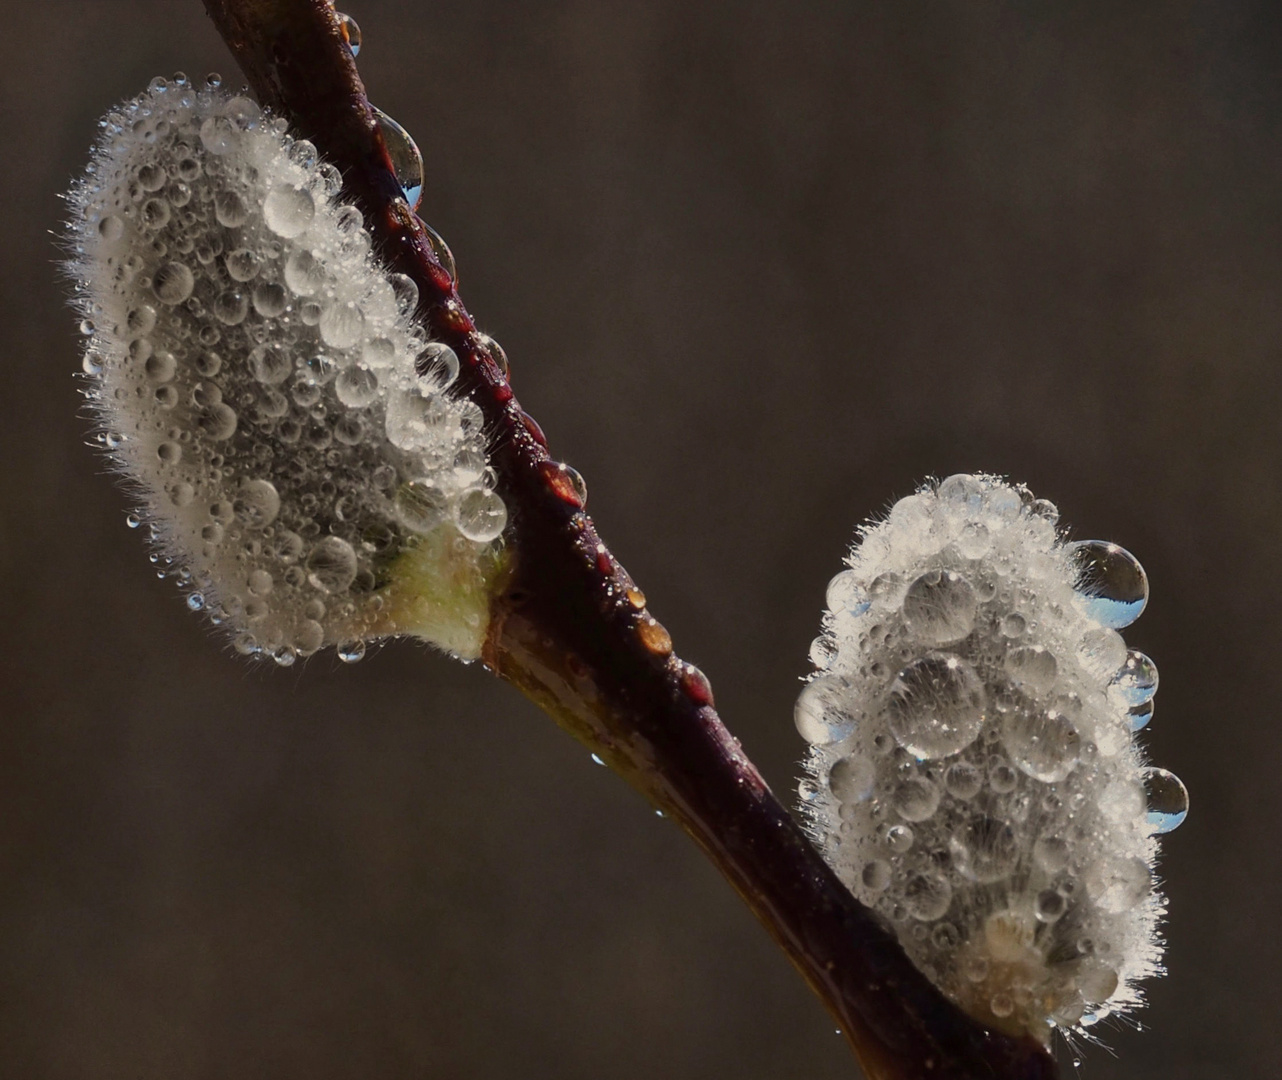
[[927, 896], [851, 779], [846, 595], [480, 515], [822, 713], [1110, 581], [1042, 744], [936, 706], [288, 210], [940, 607], [1033, 667], [421, 505], [1136, 681], [351, 32], [407, 162], [331, 566], [1167, 798]]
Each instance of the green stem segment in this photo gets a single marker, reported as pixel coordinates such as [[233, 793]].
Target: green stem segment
[[569, 628]]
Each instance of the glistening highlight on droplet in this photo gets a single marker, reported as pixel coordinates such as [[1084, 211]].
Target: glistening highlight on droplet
[[261, 381], [973, 773]]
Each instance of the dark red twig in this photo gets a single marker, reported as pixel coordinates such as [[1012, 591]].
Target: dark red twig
[[572, 631]]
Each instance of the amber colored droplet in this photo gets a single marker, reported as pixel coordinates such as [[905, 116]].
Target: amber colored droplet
[[695, 686], [532, 426], [636, 597], [455, 318], [654, 636], [560, 478]]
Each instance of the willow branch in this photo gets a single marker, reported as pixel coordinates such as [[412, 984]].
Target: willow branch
[[571, 629]]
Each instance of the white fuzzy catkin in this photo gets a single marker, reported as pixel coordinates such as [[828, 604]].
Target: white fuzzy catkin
[[253, 370], [973, 772]]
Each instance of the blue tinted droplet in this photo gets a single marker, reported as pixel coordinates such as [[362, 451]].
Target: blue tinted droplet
[[1110, 581]]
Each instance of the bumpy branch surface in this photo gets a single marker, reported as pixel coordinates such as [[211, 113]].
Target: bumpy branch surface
[[571, 630]]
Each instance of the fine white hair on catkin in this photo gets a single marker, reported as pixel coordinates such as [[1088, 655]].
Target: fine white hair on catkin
[[973, 773], [261, 381]]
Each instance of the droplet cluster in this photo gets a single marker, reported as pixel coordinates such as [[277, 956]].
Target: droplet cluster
[[973, 773], [261, 379]]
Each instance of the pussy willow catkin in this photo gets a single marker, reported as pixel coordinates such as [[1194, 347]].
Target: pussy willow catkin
[[307, 473], [974, 773]]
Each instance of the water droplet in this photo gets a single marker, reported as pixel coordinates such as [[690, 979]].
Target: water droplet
[[1117, 885], [260, 582], [1136, 681], [916, 799], [851, 779], [160, 367], [1013, 625], [984, 849], [421, 505], [271, 363], [846, 595], [822, 712], [939, 607], [351, 32], [341, 324], [1033, 667], [218, 421], [169, 453], [133, 521], [876, 875], [288, 210], [219, 135], [155, 213], [480, 515], [964, 491], [230, 209], [351, 651], [1111, 582], [196, 602], [1001, 777], [927, 896], [1139, 716], [304, 273], [440, 249], [1043, 744], [140, 320], [407, 162], [356, 387], [1051, 853], [1167, 799], [1049, 906], [406, 293], [974, 541], [257, 503], [963, 780], [899, 838], [173, 283], [269, 299], [565, 483], [495, 350], [438, 364], [331, 565], [653, 635], [936, 706], [111, 228], [231, 307], [285, 656]]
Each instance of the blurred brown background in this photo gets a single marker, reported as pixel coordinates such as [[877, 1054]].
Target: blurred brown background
[[759, 268]]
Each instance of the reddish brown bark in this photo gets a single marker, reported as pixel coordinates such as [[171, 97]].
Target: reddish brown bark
[[572, 631]]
